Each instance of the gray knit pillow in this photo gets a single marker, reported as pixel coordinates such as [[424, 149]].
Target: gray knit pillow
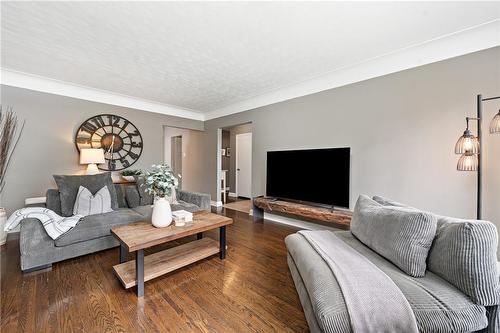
[[88, 204], [464, 253], [399, 234], [68, 188]]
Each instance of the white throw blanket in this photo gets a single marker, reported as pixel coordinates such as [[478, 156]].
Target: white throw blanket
[[374, 302], [54, 225]]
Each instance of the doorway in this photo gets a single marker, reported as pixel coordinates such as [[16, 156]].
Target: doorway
[[244, 165], [234, 166], [176, 157]]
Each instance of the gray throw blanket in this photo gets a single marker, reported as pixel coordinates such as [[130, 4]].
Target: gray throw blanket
[[374, 302]]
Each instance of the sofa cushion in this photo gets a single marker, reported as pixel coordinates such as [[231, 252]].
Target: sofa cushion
[[401, 235], [465, 253], [120, 196], [389, 202], [183, 205], [438, 306], [53, 201], [145, 211], [68, 188], [96, 226]]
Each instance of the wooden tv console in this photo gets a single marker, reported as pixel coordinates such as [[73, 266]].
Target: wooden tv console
[[336, 218]]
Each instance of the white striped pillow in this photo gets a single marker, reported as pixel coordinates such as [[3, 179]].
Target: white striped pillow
[[88, 204]]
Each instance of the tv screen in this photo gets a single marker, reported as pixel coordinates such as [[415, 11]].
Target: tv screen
[[318, 176]]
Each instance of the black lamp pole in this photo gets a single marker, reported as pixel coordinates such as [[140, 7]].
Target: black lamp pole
[[480, 155], [479, 119]]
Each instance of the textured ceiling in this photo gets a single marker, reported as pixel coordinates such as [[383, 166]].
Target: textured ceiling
[[205, 56]]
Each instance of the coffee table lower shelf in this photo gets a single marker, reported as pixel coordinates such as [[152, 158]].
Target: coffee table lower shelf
[[166, 261]]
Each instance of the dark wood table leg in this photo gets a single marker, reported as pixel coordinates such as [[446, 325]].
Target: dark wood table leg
[[199, 235], [222, 241], [139, 272], [123, 253]]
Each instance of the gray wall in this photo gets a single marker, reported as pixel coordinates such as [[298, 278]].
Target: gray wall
[[193, 156], [401, 128], [47, 147]]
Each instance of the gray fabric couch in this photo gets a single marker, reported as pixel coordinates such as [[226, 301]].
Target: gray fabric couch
[[92, 234], [438, 304]]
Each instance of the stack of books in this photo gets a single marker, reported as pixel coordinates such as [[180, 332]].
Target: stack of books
[[182, 216]]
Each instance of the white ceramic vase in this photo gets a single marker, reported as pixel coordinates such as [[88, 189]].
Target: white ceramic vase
[[162, 214], [3, 220]]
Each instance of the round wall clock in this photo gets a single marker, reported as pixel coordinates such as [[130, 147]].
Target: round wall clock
[[120, 139]]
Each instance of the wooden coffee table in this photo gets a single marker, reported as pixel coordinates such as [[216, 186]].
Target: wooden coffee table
[[140, 235]]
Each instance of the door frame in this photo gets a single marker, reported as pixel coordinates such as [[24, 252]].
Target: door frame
[[236, 164], [172, 158]]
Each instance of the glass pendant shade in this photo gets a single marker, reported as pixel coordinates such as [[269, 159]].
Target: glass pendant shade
[[468, 162], [495, 124], [467, 144]]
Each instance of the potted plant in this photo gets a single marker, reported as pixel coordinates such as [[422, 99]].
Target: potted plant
[[128, 175], [160, 182], [10, 133]]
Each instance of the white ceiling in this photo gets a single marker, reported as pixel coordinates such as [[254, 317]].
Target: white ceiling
[[205, 59]]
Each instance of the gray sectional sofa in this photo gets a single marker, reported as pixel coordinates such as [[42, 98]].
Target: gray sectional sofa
[[92, 233], [459, 291]]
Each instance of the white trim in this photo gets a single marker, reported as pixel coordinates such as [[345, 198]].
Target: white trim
[[296, 223], [35, 201], [232, 194], [216, 203], [473, 39], [56, 87]]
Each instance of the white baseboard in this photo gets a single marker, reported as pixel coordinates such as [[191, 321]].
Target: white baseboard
[[296, 223], [232, 194], [216, 203]]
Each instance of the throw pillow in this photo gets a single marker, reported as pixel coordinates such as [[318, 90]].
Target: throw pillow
[[399, 234], [172, 199], [144, 197], [88, 204], [69, 185], [464, 254]]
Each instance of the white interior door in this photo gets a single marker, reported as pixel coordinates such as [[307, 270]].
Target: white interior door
[[244, 165], [176, 158]]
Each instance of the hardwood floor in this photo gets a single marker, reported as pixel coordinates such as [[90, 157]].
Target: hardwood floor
[[250, 291]]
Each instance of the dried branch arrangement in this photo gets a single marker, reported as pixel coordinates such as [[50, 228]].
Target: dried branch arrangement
[[10, 133]]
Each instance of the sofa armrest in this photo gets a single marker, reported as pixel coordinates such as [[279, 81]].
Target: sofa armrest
[[201, 200], [35, 245]]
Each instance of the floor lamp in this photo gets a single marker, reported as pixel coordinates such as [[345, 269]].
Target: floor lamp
[[470, 146]]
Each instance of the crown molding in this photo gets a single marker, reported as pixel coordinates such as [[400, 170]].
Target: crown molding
[[56, 87], [477, 38]]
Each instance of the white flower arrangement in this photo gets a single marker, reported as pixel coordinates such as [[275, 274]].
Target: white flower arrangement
[[160, 181]]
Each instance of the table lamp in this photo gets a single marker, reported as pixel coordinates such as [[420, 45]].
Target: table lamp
[[91, 157]]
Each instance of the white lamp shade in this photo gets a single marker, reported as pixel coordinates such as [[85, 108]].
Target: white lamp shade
[[468, 162], [495, 124], [91, 156]]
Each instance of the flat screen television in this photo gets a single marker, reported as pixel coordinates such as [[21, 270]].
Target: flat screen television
[[317, 176]]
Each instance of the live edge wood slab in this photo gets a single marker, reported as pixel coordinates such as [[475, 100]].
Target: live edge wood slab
[[337, 218]]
